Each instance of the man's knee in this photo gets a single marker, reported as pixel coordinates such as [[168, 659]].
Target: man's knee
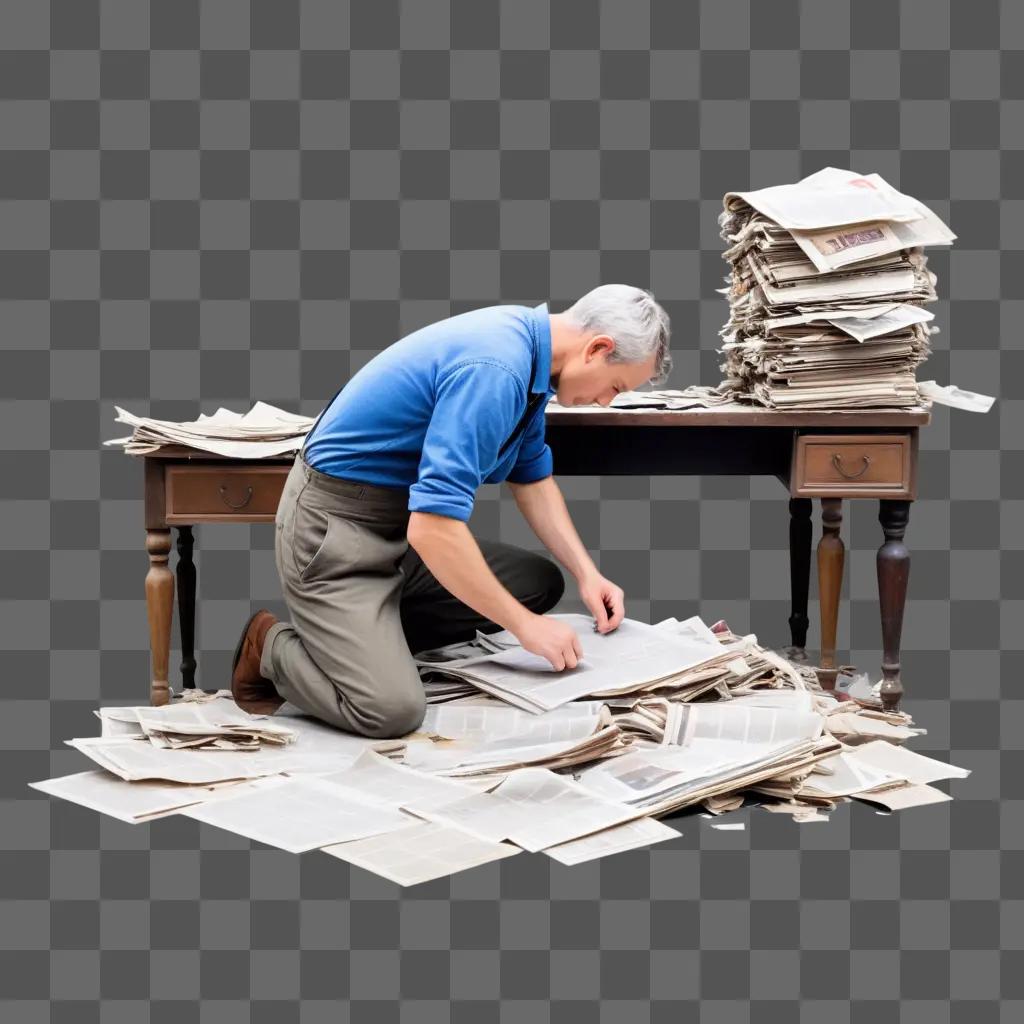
[[396, 714]]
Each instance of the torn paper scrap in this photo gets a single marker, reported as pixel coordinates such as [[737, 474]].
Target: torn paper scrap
[[957, 398]]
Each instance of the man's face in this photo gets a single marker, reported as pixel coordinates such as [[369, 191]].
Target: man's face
[[588, 378]]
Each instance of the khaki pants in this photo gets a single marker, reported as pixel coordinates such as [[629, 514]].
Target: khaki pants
[[360, 600]]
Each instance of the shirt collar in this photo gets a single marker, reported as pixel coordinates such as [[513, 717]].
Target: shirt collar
[[542, 335]]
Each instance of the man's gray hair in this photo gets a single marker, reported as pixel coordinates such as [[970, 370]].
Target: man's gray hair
[[630, 316]]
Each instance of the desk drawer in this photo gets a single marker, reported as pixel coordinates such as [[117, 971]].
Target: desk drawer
[[198, 493], [853, 465]]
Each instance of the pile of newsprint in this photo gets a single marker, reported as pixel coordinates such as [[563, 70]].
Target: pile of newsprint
[[827, 291], [261, 433], [513, 756]]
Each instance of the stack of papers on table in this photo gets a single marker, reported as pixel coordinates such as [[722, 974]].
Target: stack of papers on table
[[264, 431], [694, 397], [826, 292]]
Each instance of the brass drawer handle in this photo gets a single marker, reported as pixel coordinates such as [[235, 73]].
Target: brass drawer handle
[[837, 461], [245, 501]]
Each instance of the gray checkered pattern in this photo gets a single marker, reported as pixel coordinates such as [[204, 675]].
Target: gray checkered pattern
[[206, 203]]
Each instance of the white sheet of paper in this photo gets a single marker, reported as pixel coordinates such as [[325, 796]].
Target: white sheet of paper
[[374, 778], [137, 760], [908, 764], [629, 836], [534, 808], [131, 802], [906, 796], [299, 814], [420, 852]]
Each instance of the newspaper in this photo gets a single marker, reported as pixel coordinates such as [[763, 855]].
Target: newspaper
[[386, 784], [710, 749], [581, 780], [263, 432], [617, 839], [905, 797], [532, 807], [957, 398], [218, 724], [131, 802], [317, 749], [466, 740], [827, 282], [632, 656], [137, 760], [693, 397], [845, 775], [420, 852], [299, 814], [906, 764]]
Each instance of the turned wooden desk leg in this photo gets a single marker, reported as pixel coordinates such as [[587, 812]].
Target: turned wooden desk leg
[[186, 571], [799, 573], [893, 562], [159, 608], [831, 552]]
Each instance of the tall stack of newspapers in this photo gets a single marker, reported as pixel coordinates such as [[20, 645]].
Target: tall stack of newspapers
[[827, 291]]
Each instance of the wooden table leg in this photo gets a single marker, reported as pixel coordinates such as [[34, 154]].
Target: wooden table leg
[[831, 553], [159, 608], [893, 562], [799, 574], [186, 572]]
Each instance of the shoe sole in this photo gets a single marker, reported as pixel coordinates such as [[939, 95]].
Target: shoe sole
[[241, 641]]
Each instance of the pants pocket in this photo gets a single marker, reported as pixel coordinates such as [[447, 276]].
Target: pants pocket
[[324, 544]]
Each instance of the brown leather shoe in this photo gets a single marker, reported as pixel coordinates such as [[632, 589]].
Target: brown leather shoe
[[253, 693]]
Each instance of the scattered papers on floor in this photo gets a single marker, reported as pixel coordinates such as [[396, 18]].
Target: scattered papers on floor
[[263, 432], [718, 723]]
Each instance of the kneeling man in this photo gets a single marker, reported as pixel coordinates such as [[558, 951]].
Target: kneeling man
[[372, 545]]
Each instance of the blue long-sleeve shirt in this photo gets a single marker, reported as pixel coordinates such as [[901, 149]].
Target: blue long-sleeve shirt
[[431, 412]]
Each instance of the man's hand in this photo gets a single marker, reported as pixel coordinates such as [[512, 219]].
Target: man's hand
[[604, 600], [551, 639]]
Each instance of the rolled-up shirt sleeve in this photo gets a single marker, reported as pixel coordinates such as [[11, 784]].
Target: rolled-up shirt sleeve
[[534, 461], [475, 408]]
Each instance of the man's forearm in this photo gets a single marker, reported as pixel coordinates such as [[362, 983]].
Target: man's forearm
[[451, 553], [544, 508]]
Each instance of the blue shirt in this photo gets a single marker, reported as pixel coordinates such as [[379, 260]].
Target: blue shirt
[[432, 411]]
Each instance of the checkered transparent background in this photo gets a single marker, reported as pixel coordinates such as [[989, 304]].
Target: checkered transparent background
[[211, 203]]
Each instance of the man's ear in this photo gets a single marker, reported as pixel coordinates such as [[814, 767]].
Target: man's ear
[[600, 343]]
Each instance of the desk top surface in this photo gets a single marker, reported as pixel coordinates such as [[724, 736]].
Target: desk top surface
[[738, 416], [731, 416]]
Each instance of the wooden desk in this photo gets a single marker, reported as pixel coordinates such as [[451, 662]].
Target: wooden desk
[[830, 456]]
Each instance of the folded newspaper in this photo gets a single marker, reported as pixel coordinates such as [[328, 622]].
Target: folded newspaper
[[678, 660], [671, 716], [263, 432], [827, 287]]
